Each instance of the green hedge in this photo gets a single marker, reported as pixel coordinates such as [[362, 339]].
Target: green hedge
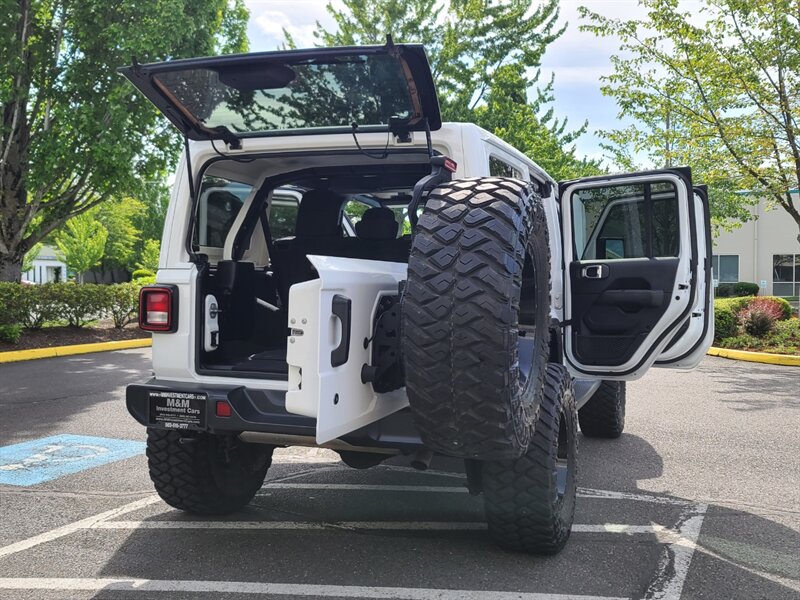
[[739, 289], [31, 306], [726, 313]]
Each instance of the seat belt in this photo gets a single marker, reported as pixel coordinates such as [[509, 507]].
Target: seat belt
[[268, 238]]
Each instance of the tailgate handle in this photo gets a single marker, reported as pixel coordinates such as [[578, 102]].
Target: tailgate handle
[[340, 307]]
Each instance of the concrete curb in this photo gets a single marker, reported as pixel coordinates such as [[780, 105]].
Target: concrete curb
[[786, 360], [34, 353]]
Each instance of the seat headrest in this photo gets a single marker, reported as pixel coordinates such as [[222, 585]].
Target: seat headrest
[[377, 223], [319, 215]]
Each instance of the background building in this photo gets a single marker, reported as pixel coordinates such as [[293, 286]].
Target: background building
[[47, 268], [763, 251]]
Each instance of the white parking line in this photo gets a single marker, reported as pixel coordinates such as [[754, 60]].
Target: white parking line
[[668, 583], [88, 522], [665, 534], [677, 557], [275, 589], [362, 486], [582, 492]]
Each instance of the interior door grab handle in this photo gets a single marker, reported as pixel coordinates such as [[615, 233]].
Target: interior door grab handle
[[594, 272]]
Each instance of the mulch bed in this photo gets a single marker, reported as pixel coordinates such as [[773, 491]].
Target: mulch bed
[[49, 337]]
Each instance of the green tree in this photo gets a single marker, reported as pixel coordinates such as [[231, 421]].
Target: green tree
[[73, 132], [149, 257], [718, 90], [81, 243], [155, 198], [30, 256], [484, 56], [119, 216]]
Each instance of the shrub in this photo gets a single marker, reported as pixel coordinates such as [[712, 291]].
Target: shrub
[[80, 304], [724, 290], [756, 321], [40, 304], [745, 288], [10, 303], [142, 274], [725, 322], [776, 307], [10, 333], [122, 302], [737, 290]]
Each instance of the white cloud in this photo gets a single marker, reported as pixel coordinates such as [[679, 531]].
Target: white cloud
[[268, 18]]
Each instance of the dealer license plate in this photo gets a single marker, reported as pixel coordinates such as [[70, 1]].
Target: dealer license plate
[[178, 410]]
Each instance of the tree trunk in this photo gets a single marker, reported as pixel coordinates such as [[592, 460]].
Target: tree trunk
[[10, 267]]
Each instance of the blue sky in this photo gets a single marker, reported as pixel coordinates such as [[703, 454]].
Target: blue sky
[[577, 59]]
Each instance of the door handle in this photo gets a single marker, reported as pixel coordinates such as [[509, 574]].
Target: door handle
[[341, 308], [594, 272]]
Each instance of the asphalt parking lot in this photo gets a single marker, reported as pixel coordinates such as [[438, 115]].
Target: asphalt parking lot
[[699, 499]]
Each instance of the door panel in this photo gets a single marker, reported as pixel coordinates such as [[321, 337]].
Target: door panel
[[630, 244], [617, 311]]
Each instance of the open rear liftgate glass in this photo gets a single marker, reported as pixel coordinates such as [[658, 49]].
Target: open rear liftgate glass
[[330, 321]]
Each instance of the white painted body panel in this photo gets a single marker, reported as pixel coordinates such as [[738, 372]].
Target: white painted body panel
[[335, 396]]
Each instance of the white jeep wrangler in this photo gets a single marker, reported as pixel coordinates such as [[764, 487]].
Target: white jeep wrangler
[[340, 269]]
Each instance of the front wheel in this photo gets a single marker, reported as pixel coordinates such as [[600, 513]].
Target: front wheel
[[205, 474], [530, 501], [603, 416]]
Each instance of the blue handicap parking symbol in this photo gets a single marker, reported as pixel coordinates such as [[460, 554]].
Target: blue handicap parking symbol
[[37, 461]]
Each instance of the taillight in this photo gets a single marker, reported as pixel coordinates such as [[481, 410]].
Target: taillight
[[158, 308]]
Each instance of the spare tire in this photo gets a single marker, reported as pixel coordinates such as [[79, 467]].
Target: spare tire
[[475, 315]]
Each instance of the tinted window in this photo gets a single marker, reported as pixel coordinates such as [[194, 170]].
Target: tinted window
[[725, 268], [786, 274], [500, 168], [626, 221], [220, 202], [282, 218], [304, 94]]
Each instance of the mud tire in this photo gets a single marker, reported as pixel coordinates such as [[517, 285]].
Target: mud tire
[[478, 275]]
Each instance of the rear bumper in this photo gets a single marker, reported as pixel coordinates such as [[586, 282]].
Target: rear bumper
[[264, 411]]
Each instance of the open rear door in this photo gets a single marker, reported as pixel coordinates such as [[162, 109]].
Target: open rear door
[[330, 321], [631, 249], [693, 339]]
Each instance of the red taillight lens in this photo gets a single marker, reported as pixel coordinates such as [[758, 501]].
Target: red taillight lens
[[156, 308], [223, 409]]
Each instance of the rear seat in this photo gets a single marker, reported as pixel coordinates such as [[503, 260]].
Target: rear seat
[[376, 238], [318, 231]]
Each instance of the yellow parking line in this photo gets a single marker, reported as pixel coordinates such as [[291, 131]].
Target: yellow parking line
[[18, 355]]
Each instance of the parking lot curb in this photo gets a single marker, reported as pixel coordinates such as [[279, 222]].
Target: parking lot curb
[[34, 353], [759, 357]]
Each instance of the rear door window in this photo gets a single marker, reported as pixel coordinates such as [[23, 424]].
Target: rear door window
[[220, 202], [283, 217]]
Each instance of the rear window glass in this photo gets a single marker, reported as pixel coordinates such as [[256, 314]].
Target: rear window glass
[[283, 217], [308, 94], [220, 202]]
